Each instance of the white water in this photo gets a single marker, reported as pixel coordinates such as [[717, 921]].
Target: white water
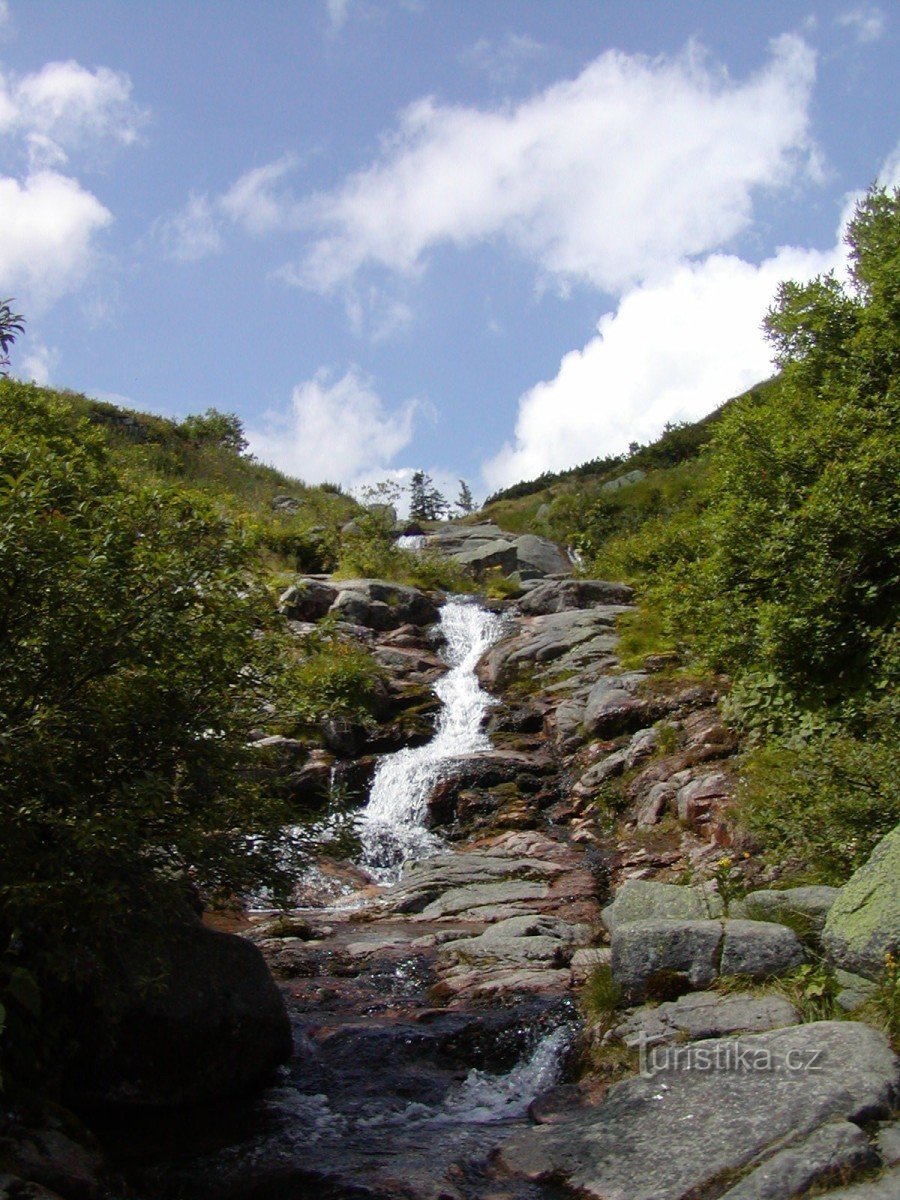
[[411, 541], [392, 825], [482, 1097]]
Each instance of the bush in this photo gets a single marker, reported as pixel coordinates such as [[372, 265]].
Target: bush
[[137, 655], [821, 808], [335, 679]]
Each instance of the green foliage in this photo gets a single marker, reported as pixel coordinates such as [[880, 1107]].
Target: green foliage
[[799, 565], [11, 325], [812, 989], [334, 678], [600, 998], [152, 451], [821, 807], [137, 657], [885, 1003], [214, 428], [465, 501], [426, 503]]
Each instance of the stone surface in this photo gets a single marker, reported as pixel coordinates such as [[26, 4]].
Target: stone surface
[[539, 556], [674, 1133], [885, 1187], [478, 895], [50, 1154], [705, 1015], [839, 1148], [759, 949], [521, 940], [888, 1143], [810, 904], [557, 595], [377, 604], [422, 883], [217, 1027], [644, 951], [864, 921], [645, 900], [307, 600]]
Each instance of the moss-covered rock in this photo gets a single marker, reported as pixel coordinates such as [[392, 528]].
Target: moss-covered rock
[[863, 924]]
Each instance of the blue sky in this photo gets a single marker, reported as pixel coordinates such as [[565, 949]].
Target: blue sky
[[485, 239]]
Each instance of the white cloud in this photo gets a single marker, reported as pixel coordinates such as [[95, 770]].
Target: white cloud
[[47, 228], [868, 24], [38, 364], [337, 12], [339, 431], [193, 233], [503, 59], [253, 202], [605, 178], [674, 350], [48, 220]]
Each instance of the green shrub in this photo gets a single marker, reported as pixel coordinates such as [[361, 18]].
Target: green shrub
[[336, 679], [137, 656], [600, 997], [823, 806]]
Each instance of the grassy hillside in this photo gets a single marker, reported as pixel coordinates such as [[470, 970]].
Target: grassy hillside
[[154, 451], [764, 544]]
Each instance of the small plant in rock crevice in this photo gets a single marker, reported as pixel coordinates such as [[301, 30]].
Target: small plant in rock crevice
[[600, 998]]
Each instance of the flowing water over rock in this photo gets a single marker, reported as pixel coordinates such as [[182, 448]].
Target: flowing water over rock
[[392, 825]]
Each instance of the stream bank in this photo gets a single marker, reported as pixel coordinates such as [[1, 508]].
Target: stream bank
[[438, 1044]]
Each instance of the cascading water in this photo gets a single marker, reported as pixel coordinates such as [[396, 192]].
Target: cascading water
[[411, 541], [392, 825]]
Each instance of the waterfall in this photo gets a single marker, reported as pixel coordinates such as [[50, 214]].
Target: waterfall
[[392, 825], [411, 541]]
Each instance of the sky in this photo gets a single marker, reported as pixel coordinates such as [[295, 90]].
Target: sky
[[480, 239]]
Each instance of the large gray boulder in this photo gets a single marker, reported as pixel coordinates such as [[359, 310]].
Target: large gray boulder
[[307, 600], [863, 923], [216, 1026], [885, 1187], [806, 906], [645, 900], [759, 949], [702, 1111], [647, 955], [377, 604], [518, 941], [705, 1015], [832, 1152], [557, 595], [646, 952], [483, 556], [537, 556]]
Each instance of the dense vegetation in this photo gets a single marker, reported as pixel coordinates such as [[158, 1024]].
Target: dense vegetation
[[775, 557], [140, 654]]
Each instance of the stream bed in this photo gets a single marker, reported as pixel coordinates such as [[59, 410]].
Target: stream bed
[[387, 1095]]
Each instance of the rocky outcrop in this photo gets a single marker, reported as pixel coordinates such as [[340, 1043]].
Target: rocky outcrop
[[863, 923], [704, 1015], [370, 603], [653, 957], [646, 900], [485, 547], [214, 1025], [703, 1113]]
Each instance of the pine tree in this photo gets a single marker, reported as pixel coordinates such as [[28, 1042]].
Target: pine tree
[[464, 501], [426, 503]]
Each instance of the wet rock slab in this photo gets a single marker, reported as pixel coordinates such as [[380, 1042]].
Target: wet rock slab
[[672, 1133]]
